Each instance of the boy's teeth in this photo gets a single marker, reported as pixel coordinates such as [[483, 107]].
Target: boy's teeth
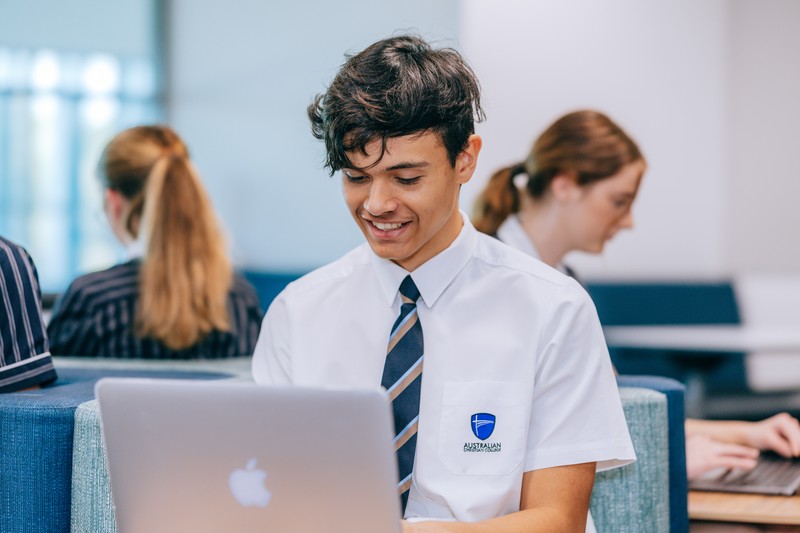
[[386, 227]]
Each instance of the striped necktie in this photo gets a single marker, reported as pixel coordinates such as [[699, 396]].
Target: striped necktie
[[402, 378]]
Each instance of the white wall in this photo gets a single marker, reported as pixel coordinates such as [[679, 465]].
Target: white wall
[[658, 68], [242, 74], [708, 89], [123, 28], [763, 220]]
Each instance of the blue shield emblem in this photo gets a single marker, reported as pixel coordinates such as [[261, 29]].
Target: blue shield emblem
[[482, 425]]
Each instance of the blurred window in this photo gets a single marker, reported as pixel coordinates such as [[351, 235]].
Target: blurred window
[[57, 111]]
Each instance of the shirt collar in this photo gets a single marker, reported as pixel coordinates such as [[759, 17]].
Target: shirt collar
[[436, 274], [135, 249], [512, 233]]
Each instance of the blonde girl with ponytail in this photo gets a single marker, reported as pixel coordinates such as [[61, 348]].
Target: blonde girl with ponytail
[[178, 296]]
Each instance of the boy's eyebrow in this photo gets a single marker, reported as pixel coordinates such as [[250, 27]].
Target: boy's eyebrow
[[398, 166], [408, 164]]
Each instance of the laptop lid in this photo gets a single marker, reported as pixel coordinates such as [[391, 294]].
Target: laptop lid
[[206, 456]]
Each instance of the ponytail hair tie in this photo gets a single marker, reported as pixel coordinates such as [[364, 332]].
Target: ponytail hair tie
[[519, 177]]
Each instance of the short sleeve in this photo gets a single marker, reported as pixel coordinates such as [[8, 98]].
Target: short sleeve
[[272, 357], [576, 413]]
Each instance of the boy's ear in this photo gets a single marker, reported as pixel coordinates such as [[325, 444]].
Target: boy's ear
[[467, 159]]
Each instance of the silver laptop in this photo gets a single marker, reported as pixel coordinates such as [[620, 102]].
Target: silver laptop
[[209, 456]]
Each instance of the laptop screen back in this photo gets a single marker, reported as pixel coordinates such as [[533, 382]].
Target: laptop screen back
[[210, 457]]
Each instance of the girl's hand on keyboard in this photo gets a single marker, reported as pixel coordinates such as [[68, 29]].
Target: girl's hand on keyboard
[[704, 453], [779, 433]]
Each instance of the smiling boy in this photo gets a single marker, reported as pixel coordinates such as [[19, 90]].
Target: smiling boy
[[504, 399]]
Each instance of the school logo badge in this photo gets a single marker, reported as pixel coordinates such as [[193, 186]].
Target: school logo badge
[[482, 425]]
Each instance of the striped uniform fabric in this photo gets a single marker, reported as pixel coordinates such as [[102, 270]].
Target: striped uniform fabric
[[24, 357], [95, 317], [402, 378]]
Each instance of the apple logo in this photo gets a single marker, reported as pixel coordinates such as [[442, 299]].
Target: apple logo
[[247, 485]]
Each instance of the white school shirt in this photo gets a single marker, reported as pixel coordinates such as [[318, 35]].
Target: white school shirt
[[504, 335]]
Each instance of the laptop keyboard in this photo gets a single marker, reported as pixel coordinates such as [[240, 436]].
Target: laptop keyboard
[[768, 472], [772, 475]]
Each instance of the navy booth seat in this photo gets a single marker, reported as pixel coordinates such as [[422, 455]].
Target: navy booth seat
[[674, 303], [269, 284], [36, 435], [677, 303]]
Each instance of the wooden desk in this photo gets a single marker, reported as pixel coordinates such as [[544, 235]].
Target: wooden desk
[[744, 508]]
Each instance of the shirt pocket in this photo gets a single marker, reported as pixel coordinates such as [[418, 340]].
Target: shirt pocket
[[483, 427]]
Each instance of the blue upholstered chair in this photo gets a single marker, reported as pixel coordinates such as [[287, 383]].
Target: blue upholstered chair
[[673, 393], [36, 447]]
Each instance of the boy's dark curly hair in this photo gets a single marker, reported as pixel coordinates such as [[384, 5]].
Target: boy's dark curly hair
[[395, 87]]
